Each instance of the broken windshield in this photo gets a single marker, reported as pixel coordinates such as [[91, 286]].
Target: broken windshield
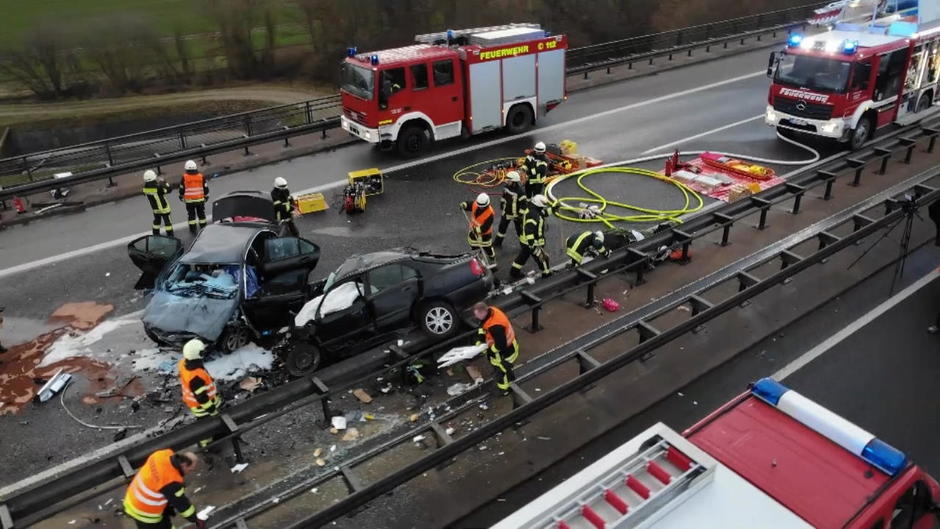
[[357, 80], [213, 281]]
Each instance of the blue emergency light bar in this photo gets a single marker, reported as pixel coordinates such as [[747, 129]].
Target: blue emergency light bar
[[374, 59], [351, 51], [883, 456], [849, 46], [794, 40]]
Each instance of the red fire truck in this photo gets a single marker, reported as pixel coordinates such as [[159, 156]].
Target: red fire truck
[[770, 458], [847, 82], [454, 83]]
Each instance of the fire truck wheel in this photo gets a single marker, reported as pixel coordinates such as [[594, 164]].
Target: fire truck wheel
[[925, 101], [413, 141], [519, 119], [861, 134]]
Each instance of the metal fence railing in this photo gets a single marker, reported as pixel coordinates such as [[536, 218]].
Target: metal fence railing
[[33, 172]]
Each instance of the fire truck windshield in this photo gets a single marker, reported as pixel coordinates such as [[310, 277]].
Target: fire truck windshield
[[814, 73], [358, 81]]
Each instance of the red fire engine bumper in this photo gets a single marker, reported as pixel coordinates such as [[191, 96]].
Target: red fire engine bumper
[[362, 132], [837, 128]]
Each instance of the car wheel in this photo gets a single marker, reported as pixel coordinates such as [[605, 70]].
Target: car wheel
[[439, 319], [519, 119], [413, 141], [233, 339], [302, 359], [860, 134]]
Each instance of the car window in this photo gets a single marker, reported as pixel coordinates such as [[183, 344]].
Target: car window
[[341, 298], [306, 247], [443, 72], [281, 248], [386, 277], [158, 245]]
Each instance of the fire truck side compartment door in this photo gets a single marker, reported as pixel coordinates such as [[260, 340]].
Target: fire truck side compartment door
[[551, 77], [518, 77], [485, 107]]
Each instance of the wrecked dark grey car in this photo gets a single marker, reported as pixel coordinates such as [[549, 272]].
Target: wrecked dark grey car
[[239, 281]]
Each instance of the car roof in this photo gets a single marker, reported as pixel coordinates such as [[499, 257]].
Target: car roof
[[360, 263], [817, 479], [221, 244]]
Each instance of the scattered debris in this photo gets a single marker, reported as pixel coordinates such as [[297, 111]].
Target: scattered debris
[[681, 394], [610, 305], [250, 384], [474, 374], [239, 467], [321, 462], [459, 388], [458, 354], [338, 422], [449, 431], [483, 406], [317, 452], [117, 389], [417, 439], [351, 435], [334, 431], [482, 448], [54, 385], [386, 389], [314, 490], [414, 417], [204, 514], [332, 448], [363, 397], [79, 421], [543, 438]]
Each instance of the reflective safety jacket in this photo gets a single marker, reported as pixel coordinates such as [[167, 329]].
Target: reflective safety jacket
[[283, 203], [509, 201], [533, 227], [536, 169], [580, 244], [497, 331], [156, 193], [199, 391], [194, 188], [481, 218], [157, 485]]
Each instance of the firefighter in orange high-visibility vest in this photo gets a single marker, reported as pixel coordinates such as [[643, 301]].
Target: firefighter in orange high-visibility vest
[[157, 491], [199, 392], [194, 191], [502, 348], [480, 232]]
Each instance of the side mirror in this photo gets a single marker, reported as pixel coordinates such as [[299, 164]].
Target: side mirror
[[772, 64]]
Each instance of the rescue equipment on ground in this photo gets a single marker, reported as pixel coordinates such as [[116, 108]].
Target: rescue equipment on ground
[[310, 203], [362, 184], [563, 158], [739, 167]]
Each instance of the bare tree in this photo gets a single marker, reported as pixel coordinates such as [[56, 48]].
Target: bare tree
[[40, 61], [123, 49]]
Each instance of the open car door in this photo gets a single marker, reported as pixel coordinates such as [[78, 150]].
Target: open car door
[[243, 206], [151, 254], [283, 281]]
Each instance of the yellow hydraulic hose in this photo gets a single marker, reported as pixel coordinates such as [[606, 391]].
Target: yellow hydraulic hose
[[693, 201], [480, 175]]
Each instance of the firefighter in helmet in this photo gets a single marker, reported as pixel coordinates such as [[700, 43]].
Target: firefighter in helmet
[[194, 191], [156, 190]]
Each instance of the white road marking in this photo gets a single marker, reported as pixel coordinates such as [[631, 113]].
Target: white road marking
[[398, 167], [659, 148], [827, 344]]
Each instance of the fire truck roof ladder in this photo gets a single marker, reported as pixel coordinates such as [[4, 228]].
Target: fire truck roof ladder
[[441, 37], [644, 486]]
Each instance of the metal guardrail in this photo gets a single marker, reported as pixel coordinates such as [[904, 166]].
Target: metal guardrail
[[33, 503], [106, 158]]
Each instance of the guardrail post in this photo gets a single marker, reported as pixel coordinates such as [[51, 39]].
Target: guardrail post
[[685, 239], [829, 177], [591, 278], [308, 113], [107, 149], [29, 171], [931, 133], [248, 125], [764, 206], [885, 155], [798, 192], [182, 140], [324, 391], [910, 144]]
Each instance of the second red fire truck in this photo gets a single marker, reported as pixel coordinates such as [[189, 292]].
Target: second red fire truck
[[845, 83], [770, 458], [459, 82]]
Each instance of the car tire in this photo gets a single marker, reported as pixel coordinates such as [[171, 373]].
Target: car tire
[[519, 119], [860, 134], [438, 319], [302, 359], [233, 338], [413, 141]]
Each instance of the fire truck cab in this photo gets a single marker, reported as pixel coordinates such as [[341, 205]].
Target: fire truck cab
[[456, 83], [769, 458], [845, 83]]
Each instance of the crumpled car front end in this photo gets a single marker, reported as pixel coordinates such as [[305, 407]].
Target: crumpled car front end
[[173, 320]]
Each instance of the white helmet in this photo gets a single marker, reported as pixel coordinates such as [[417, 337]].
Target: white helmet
[[150, 175], [540, 147], [483, 200], [540, 201], [193, 349], [513, 176], [280, 182], [599, 236], [190, 165]]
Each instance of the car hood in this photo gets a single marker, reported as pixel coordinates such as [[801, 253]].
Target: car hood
[[169, 316]]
